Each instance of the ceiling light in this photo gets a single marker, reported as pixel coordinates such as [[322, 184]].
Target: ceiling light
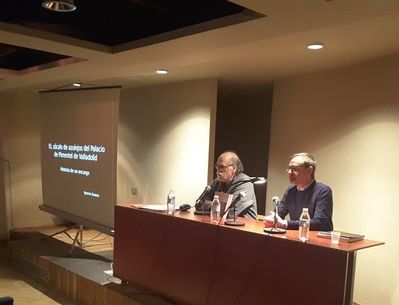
[[62, 6], [76, 84], [162, 71], [315, 46]]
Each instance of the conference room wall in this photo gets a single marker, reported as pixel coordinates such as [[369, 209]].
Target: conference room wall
[[243, 125], [349, 119], [20, 145], [5, 209], [184, 112], [166, 137], [3, 178]]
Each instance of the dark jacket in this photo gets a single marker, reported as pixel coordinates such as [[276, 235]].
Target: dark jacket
[[241, 183]]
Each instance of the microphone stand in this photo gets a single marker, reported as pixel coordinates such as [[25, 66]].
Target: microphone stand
[[200, 199], [234, 223], [254, 180], [202, 211], [274, 229]]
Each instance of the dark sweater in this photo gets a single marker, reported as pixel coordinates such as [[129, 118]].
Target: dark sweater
[[317, 198]]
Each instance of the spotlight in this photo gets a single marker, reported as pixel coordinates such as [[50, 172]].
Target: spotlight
[[315, 46], [63, 6], [162, 71]]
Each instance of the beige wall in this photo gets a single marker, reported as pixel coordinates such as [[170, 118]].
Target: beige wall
[[20, 143], [166, 136], [164, 141], [4, 173], [349, 119]]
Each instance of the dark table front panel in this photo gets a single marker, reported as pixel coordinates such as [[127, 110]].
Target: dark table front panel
[[190, 261]]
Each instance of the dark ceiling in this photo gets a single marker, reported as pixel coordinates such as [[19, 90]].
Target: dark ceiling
[[117, 21], [18, 58], [109, 23]]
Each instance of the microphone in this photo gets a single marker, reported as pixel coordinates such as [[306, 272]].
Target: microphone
[[274, 230], [206, 190], [199, 205], [240, 196], [276, 201]]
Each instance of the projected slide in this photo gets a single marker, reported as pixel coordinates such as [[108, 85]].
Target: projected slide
[[88, 153], [78, 144]]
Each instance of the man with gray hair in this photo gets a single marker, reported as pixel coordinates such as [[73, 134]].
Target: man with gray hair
[[304, 192], [230, 179]]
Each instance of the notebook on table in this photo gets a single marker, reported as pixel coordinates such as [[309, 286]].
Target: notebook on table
[[345, 236]]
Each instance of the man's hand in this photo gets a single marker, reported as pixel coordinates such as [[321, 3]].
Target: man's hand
[[280, 223], [269, 220]]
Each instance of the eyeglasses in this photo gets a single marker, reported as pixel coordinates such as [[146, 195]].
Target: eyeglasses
[[294, 169], [222, 167]]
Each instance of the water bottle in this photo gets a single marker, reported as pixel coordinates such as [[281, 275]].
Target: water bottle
[[170, 203], [215, 210], [304, 225]]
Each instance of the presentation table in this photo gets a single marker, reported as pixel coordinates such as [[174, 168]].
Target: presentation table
[[188, 260]]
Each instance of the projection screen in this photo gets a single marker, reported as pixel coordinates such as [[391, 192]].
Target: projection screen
[[78, 155]]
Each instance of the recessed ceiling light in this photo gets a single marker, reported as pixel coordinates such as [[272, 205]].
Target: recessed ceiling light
[[62, 6], [76, 84], [162, 71], [315, 46]]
